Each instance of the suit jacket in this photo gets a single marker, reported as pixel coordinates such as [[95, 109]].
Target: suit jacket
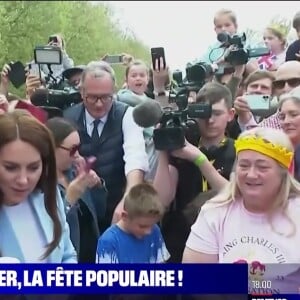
[[74, 114], [63, 253]]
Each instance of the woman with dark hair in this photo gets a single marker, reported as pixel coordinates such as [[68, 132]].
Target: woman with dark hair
[[33, 227], [83, 192]]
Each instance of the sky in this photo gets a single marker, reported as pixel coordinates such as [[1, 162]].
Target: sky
[[185, 28]]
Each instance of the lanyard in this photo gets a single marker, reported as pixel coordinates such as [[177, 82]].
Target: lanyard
[[204, 181]]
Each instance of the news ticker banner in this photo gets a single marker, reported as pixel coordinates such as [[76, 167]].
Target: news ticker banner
[[123, 279], [255, 279]]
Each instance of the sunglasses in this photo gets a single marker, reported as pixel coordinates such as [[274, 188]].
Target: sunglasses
[[292, 82], [71, 150]]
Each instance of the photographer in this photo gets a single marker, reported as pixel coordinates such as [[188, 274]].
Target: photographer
[[287, 77], [232, 78], [55, 71], [257, 83], [224, 21], [73, 75], [190, 171], [54, 99]]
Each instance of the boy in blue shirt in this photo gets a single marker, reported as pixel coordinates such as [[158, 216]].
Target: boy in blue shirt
[[136, 238]]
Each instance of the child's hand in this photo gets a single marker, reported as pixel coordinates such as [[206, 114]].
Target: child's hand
[[160, 76]]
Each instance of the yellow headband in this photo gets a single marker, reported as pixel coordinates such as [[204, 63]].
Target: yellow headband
[[277, 152]]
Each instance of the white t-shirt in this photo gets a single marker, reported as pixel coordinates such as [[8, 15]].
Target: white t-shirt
[[28, 231], [237, 235]]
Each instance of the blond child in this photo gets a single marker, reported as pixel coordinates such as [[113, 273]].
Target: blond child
[[225, 20], [136, 238]]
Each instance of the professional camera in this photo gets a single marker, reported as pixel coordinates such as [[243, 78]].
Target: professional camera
[[60, 99], [239, 55], [196, 75], [177, 124]]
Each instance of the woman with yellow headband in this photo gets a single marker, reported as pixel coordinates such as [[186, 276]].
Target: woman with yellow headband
[[255, 217]]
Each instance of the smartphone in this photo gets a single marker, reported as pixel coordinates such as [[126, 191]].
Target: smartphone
[[157, 53], [53, 39], [114, 59], [36, 111], [17, 74], [256, 102], [33, 70], [90, 162]]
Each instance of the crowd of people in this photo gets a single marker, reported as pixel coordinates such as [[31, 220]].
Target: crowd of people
[[89, 185]]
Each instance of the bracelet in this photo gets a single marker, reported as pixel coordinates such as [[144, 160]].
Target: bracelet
[[103, 184], [200, 160]]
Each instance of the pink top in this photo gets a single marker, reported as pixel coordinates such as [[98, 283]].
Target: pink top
[[239, 236]]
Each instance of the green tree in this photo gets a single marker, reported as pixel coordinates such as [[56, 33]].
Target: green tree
[[90, 31]]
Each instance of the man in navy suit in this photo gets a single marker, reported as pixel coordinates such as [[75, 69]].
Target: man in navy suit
[[107, 130]]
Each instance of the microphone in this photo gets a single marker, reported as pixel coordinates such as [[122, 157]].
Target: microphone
[[147, 114], [129, 98]]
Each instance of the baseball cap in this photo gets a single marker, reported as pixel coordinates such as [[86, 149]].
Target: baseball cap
[[71, 71]]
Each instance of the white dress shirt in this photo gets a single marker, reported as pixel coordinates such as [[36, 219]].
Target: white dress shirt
[[135, 156]]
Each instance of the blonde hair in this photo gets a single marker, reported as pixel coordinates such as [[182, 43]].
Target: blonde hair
[[228, 12], [143, 200], [280, 28], [289, 186], [278, 34]]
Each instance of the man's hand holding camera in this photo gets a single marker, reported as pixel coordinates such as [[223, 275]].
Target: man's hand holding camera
[[189, 152]]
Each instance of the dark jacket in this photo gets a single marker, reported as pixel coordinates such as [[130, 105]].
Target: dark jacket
[[83, 221], [109, 152]]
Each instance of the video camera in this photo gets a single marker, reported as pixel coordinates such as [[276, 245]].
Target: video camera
[[61, 99], [59, 93], [196, 75], [177, 124], [239, 55]]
